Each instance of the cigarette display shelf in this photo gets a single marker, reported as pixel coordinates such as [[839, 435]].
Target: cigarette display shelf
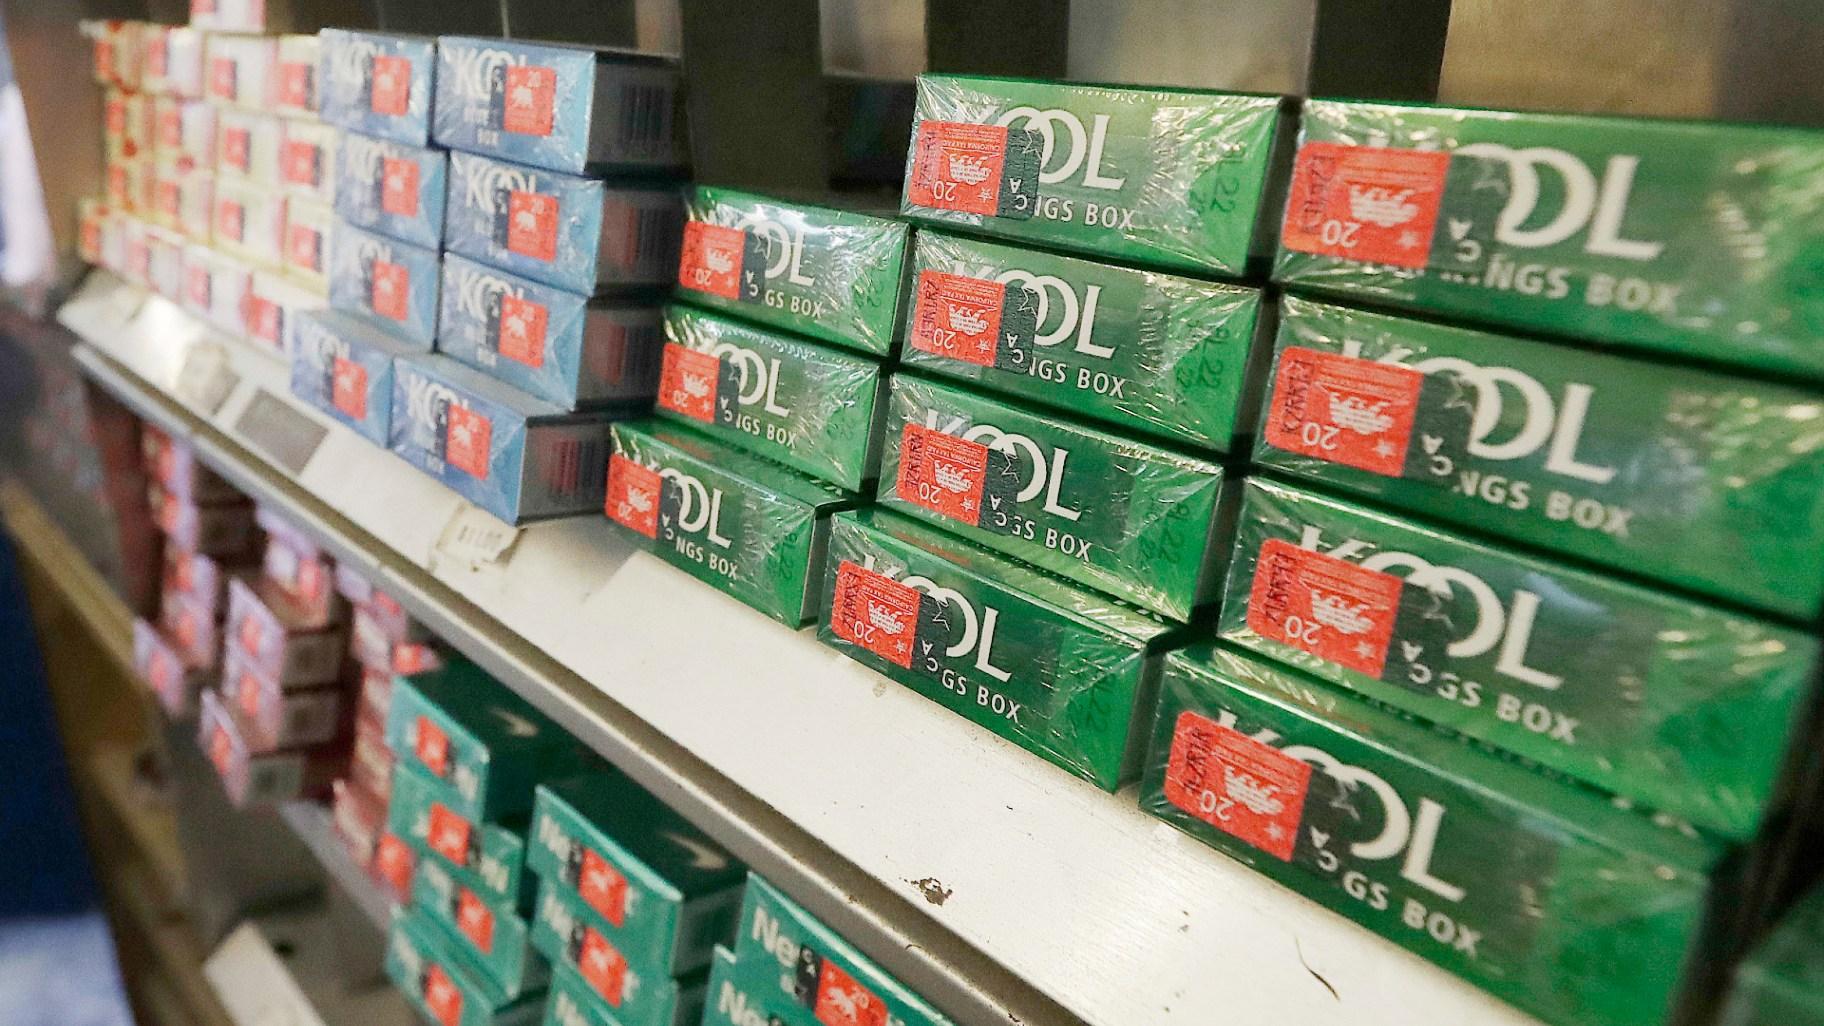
[[1004, 891]]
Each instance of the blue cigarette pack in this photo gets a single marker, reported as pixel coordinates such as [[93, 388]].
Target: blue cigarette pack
[[345, 368], [518, 457], [580, 234], [385, 282], [562, 107], [378, 84], [392, 188], [553, 344]]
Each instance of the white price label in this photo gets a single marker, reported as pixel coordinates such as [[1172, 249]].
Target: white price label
[[475, 538]]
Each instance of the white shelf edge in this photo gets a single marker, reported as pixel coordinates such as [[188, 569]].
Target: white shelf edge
[[849, 791]]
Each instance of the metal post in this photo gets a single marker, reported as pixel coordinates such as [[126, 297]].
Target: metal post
[[1378, 49], [753, 74], [1024, 38]]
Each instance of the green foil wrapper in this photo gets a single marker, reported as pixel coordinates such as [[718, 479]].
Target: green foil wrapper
[[1682, 707], [1057, 669], [1169, 178], [749, 527], [1680, 237], [1535, 889], [1127, 518], [1141, 351], [810, 407]]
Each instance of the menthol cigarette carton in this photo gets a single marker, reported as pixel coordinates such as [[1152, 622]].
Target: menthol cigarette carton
[[748, 527], [553, 344], [1686, 708], [391, 188], [297, 81], [248, 144], [796, 957], [1177, 179], [580, 234], [487, 858], [237, 70], [633, 995], [388, 283], [573, 1002], [730, 1000], [1142, 351], [344, 367], [1545, 894], [812, 408], [494, 936], [567, 108], [516, 456], [1676, 237], [656, 887], [308, 224], [831, 274], [444, 984], [377, 84], [1709, 482], [1781, 982], [1124, 517], [481, 747], [307, 160], [1056, 669]]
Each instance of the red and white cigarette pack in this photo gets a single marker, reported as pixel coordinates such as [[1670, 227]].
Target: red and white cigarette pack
[[238, 70], [277, 717], [183, 132], [216, 288], [271, 633], [308, 222], [360, 819], [255, 778], [249, 221], [247, 145], [295, 85], [217, 529], [172, 61], [159, 661]]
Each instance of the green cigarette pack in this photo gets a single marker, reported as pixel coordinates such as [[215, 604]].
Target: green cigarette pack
[[1054, 668], [492, 934], [1541, 892], [1689, 238], [822, 977], [1125, 517], [749, 527], [563, 932], [430, 968], [1711, 483], [480, 746], [657, 888], [1145, 352], [573, 1003], [1780, 982], [743, 995], [487, 858], [1684, 707], [810, 407], [1169, 178], [831, 274]]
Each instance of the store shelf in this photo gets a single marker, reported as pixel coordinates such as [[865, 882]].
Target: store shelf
[[904, 826], [313, 825]]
